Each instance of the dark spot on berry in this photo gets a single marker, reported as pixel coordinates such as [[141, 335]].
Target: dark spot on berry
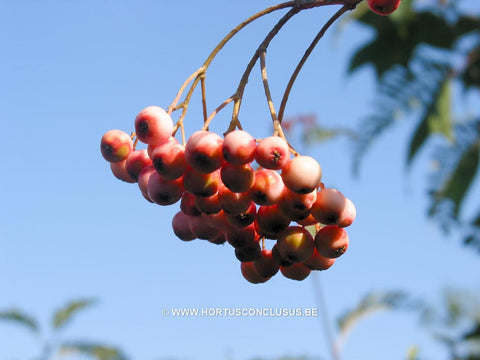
[[142, 128]]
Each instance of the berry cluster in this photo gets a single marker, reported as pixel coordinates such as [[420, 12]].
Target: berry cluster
[[238, 190]]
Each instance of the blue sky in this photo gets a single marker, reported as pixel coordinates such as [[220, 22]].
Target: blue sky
[[70, 71]]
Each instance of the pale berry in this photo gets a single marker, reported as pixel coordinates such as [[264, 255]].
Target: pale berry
[[153, 125], [164, 192], [302, 174], [238, 147]]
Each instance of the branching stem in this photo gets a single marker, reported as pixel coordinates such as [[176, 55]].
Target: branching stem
[[307, 54]]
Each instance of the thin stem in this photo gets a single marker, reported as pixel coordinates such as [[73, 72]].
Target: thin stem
[[266, 87], [308, 52], [220, 107], [173, 106], [244, 23], [297, 6], [327, 330], [200, 73], [263, 46], [204, 99]]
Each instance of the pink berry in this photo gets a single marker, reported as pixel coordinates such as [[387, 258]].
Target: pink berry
[[136, 161], [153, 125], [203, 151], [272, 153], [181, 227], [238, 178], [164, 192], [119, 170], [267, 188], [168, 158], [302, 174], [239, 147]]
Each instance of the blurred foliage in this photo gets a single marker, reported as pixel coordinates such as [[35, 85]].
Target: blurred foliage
[[96, 351], [62, 316], [418, 56], [19, 318], [53, 346], [455, 323], [303, 357]]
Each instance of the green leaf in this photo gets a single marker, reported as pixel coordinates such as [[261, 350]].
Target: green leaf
[[437, 119], [63, 315], [419, 138], [457, 185], [96, 351], [19, 318]]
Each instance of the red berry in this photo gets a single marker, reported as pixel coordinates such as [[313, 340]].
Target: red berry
[[168, 158], [248, 253], [203, 151], [332, 207], [164, 192], [270, 221], [119, 170], [318, 262], [272, 153], [136, 161], [208, 204], [265, 265], [250, 274], [115, 145], [279, 260], [233, 203], [143, 179], [201, 229], [201, 184], [383, 7], [296, 206], [296, 271], [295, 244], [240, 237], [244, 219], [238, 178], [267, 188], [187, 204], [331, 241], [181, 227]]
